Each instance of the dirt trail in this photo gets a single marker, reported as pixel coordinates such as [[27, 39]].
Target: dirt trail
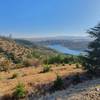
[[89, 90]]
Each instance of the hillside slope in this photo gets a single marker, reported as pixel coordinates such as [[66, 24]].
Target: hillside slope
[[18, 53], [12, 53]]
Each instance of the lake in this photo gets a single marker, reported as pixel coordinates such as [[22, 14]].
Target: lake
[[64, 50]]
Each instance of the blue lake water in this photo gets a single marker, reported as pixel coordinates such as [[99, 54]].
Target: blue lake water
[[64, 50]]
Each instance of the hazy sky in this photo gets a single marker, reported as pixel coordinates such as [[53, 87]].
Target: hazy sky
[[29, 18]]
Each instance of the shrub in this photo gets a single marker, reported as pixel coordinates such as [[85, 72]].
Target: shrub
[[58, 83], [36, 54], [70, 63], [76, 79], [54, 59], [63, 64], [61, 59], [77, 65], [46, 68], [20, 91], [5, 65], [27, 63], [14, 75], [6, 69]]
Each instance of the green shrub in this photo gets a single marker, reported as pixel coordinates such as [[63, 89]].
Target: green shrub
[[60, 59], [58, 83], [54, 59], [20, 91], [46, 68]]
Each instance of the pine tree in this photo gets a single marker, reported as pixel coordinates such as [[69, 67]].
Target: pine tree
[[91, 61]]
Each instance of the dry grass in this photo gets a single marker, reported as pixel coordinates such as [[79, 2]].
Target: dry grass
[[33, 76]]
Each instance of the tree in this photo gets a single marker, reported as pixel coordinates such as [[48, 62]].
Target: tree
[[91, 61]]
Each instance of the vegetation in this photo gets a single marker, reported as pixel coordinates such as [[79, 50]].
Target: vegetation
[[64, 59], [91, 61], [5, 65], [14, 75], [20, 91], [76, 79], [46, 68], [58, 83], [21, 53], [77, 65]]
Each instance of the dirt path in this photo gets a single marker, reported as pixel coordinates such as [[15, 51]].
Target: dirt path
[[89, 90]]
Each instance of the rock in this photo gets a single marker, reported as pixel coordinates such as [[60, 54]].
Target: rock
[[97, 89]]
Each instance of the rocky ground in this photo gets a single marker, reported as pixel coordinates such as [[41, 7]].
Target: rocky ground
[[90, 90]]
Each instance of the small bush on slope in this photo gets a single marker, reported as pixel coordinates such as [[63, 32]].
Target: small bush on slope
[[76, 79], [14, 75], [58, 83], [46, 68], [77, 65], [20, 91]]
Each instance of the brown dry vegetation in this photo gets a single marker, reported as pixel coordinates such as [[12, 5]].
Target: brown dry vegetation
[[16, 54], [31, 77], [24, 64]]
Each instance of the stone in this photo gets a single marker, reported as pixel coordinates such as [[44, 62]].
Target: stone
[[97, 89]]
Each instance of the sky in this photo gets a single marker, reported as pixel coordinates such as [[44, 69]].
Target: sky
[[41, 18]]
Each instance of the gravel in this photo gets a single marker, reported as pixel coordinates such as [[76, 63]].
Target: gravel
[[89, 90]]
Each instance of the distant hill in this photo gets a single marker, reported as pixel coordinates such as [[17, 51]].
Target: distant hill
[[74, 43], [34, 39]]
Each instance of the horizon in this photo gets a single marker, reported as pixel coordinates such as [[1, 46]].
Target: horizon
[[48, 18], [46, 36]]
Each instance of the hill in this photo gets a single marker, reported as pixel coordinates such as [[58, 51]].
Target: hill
[[11, 53], [71, 42], [19, 53]]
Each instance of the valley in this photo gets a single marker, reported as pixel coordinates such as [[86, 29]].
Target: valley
[[49, 50], [29, 69], [72, 42]]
